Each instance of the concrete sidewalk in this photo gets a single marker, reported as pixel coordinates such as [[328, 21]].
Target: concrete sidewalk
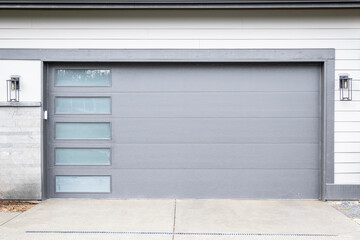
[[7, 216], [180, 220]]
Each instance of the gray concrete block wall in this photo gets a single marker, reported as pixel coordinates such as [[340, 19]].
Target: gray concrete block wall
[[20, 153]]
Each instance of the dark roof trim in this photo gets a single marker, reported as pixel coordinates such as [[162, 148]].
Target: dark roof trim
[[173, 4]]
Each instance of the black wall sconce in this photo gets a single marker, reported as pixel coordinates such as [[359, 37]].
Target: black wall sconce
[[345, 88], [13, 89]]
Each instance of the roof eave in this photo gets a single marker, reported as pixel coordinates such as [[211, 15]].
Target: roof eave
[[178, 4]]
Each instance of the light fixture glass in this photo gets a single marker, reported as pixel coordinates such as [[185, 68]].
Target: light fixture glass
[[13, 89], [345, 87]]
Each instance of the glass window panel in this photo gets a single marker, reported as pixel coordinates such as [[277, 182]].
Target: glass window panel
[[83, 156], [91, 184], [82, 77], [83, 130], [83, 105]]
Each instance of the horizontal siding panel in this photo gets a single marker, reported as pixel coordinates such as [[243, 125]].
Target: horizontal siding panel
[[347, 168], [221, 44], [347, 157], [348, 64], [17, 20], [347, 54], [347, 126], [347, 105], [347, 147], [301, 19], [187, 33], [347, 116], [105, 44], [347, 137], [347, 178], [184, 18], [226, 44]]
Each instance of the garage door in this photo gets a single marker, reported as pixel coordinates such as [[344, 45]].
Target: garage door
[[184, 130]]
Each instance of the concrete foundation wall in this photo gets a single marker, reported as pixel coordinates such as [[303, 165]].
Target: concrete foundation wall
[[20, 155]]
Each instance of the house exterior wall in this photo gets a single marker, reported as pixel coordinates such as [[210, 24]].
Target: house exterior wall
[[30, 78], [20, 155], [203, 29], [20, 131]]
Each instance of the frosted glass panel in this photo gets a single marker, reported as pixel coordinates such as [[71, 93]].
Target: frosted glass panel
[[91, 184], [79, 105], [82, 130], [82, 77], [82, 156]]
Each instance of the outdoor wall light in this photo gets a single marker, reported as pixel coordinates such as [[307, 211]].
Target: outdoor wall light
[[345, 88], [13, 89]]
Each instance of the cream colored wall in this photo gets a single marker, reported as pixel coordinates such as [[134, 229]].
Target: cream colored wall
[[339, 29]]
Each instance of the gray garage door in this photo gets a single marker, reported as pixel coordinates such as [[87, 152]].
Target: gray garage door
[[184, 130]]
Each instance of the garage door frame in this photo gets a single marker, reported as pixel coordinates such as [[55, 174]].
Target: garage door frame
[[325, 57]]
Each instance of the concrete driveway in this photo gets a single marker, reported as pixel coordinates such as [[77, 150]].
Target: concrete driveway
[[180, 220]]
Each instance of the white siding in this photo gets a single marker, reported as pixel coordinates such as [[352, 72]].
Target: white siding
[[339, 29]]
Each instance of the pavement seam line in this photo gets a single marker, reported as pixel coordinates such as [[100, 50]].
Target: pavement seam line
[[173, 235], [10, 219]]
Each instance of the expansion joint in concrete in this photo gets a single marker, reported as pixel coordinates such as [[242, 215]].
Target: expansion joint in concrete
[[174, 223]]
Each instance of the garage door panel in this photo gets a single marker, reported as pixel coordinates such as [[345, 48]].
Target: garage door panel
[[212, 156], [217, 130], [240, 104], [205, 156], [200, 183], [178, 77], [189, 130], [203, 183]]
